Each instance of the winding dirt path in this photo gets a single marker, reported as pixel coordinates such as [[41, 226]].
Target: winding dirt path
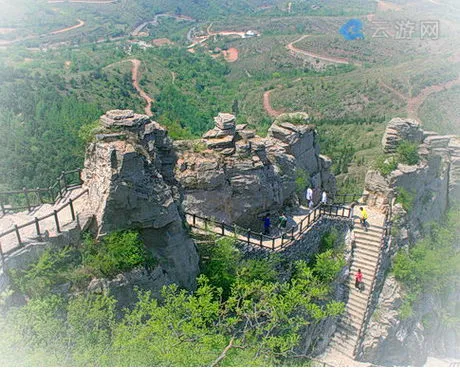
[[294, 50], [414, 103], [268, 107], [135, 78], [81, 23]]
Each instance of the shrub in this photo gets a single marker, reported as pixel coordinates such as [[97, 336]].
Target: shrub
[[408, 153], [328, 240], [386, 165], [302, 180], [51, 269], [327, 266], [117, 252], [405, 198]]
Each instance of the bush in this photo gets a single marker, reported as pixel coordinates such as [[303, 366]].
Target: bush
[[302, 181], [327, 265], [386, 165], [117, 252], [408, 153], [329, 240], [405, 198]]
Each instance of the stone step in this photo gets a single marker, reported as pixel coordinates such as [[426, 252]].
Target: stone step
[[367, 238], [367, 270], [365, 253], [365, 258], [363, 265], [354, 316], [345, 330], [345, 343], [372, 248], [341, 349], [359, 230], [351, 323], [357, 307], [371, 229]]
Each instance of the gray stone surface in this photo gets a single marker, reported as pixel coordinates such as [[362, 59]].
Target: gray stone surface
[[251, 175]]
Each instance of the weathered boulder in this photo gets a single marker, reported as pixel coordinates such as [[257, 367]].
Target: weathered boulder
[[130, 186]]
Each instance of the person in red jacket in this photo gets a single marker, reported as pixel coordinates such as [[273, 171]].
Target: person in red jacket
[[359, 280]]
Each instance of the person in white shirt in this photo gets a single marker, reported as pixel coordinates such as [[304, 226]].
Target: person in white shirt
[[309, 194], [324, 198]]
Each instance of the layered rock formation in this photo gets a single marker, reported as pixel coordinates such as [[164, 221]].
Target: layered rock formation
[[234, 176], [128, 173], [430, 187], [433, 183]]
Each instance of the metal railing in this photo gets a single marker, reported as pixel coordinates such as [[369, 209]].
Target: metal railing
[[254, 238], [36, 223], [349, 198], [15, 200]]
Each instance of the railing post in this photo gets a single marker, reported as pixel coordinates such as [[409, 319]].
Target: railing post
[[16, 229], [309, 219], [50, 193], [39, 193], [59, 188], [79, 176], [3, 208], [72, 210], [282, 240], [301, 227], [194, 219], [292, 233], [234, 231], [37, 226], [26, 195], [64, 180], [343, 211], [223, 228], [273, 243], [249, 236], [56, 220], [261, 240]]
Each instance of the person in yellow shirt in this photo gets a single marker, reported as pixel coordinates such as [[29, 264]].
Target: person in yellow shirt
[[364, 217]]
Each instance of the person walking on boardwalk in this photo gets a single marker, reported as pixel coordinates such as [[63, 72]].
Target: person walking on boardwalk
[[282, 221], [359, 280], [364, 217], [309, 195], [267, 224], [324, 197]]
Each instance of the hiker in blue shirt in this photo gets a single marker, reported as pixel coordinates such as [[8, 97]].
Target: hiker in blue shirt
[[267, 224]]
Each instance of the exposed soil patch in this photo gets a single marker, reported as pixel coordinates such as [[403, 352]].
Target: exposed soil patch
[[161, 42], [230, 55]]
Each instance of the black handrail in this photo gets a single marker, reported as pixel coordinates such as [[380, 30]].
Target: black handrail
[[36, 222], [15, 200], [254, 238]]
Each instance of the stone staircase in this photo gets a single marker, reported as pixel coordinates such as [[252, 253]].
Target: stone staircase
[[365, 256]]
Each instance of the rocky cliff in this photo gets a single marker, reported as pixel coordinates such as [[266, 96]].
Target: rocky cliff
[[128, 174], [430, 187], [234, 175]]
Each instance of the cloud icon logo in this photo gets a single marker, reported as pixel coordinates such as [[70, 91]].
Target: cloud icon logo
[[352, 30]]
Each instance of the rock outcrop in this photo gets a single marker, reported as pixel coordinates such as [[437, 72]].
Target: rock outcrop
[[418, 194], [234, 175], [432, 184], [128, 173]]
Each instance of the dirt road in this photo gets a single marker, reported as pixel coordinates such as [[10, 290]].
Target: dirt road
[[414, 103], [81, 23], [268, 107], [330, 59], [135, 78]]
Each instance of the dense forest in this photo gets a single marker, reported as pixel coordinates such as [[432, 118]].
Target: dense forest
[[243, 313]]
